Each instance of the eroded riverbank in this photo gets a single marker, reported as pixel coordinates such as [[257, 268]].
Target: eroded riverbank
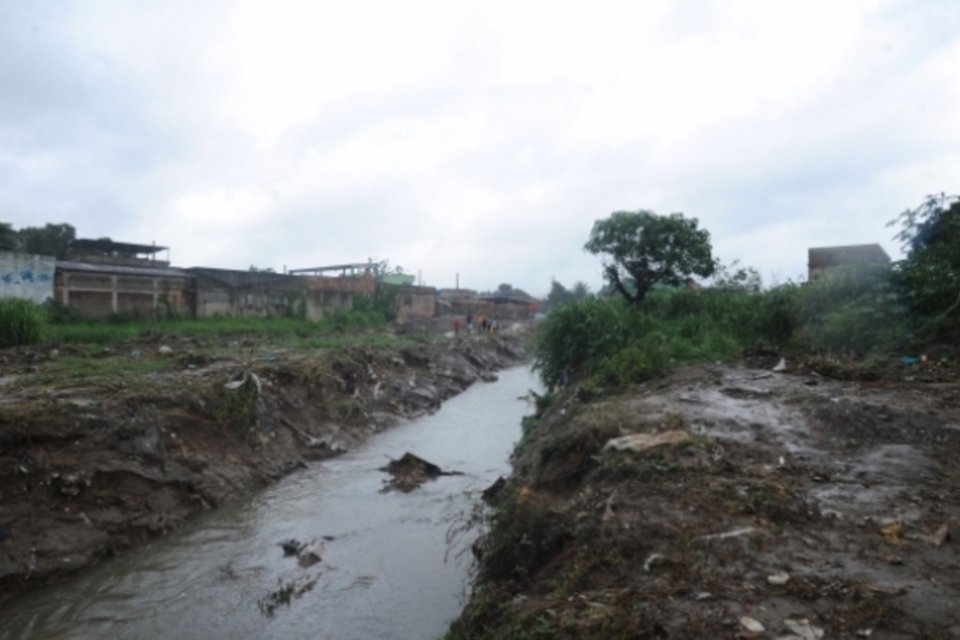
[[94, 464], [392, 564], [728, 502]]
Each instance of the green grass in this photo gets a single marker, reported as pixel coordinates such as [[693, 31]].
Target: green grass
[[75, 368], [21, 322], [291, 329], [850, 313]]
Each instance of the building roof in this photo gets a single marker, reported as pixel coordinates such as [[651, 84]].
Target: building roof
[[353, 266], [115, 248], [87, 267], [849, 254]]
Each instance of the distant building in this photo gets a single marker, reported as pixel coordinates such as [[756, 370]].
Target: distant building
[[416, 302], [822, 259], [101, 278]]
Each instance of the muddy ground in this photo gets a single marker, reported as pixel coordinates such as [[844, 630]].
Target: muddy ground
[[103, 448], [730, 502]]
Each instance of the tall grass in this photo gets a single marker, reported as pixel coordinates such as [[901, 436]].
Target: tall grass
[[21, 322], [850, 312]]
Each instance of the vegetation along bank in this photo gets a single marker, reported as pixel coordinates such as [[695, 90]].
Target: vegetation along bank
[[733, 462]]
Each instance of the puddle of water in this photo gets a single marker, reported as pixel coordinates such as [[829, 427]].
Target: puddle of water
[[397, 565]]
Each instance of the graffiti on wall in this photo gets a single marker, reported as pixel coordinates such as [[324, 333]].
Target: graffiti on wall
[[24, 277]]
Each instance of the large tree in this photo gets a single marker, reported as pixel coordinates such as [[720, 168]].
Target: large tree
[[930, 275], [641, 249], [8, 237], [49, 240]]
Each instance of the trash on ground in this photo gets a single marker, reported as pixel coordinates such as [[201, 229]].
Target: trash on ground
[[411, 471], [802, 628], [893, 533], [936, 538], [752, 624], [779, 578], [644, 441]]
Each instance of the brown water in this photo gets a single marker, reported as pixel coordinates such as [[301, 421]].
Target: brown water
[[397, 565]]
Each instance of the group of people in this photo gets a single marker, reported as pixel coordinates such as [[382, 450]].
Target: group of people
[[479, 323]]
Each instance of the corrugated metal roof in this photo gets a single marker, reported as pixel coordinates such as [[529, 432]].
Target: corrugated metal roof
[[87, 267]]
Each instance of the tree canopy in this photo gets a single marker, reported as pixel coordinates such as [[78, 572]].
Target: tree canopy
[[559, 295], [930, 276], [643, 248]]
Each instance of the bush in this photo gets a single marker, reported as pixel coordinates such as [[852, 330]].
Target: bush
[[21, 322], [851, 311]]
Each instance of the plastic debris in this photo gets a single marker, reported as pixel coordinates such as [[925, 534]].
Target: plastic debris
[[893, 533], [802, 628], [752, 624], [652, 559], [645, 441], [936, 538], [779, 578], [781, 366]]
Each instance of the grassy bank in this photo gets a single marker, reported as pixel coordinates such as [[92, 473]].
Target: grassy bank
[[608, 343]]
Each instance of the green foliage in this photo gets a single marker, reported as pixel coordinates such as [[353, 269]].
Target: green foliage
[[49, 240], [21, 322], [384, 301], [650, 249], [929, 279], [612, 343], [851, 311], [8, 237], [559, 295], [296, 330]]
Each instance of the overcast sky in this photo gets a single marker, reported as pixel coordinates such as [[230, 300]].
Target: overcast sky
[[483, 138]]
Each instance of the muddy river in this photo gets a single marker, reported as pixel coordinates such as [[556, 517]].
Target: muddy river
[[393, 565]]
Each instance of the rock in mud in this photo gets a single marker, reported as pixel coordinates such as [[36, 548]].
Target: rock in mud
[[291, 547], [411, 471]]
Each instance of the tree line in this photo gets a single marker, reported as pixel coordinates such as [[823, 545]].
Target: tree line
[[48, 240]]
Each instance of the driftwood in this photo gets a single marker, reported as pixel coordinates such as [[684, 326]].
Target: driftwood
[[410, 471]]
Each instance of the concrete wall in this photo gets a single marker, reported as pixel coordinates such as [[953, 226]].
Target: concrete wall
[[416, 302], [100, 294], [325, 295], [26, 276]]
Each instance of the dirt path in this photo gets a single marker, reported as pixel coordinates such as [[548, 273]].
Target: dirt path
[[101, 460], [766, 505]]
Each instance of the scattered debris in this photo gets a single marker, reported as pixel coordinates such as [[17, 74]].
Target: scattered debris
[[291, 547], [411, 471], [937, 538], [652, 560], [643, 441], [893, 533], [779, 578], [802, 628], [752, 624], [309, 554], [285, 594], [780, 366]]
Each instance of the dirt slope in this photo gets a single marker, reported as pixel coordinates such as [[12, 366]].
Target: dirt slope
[[94, 463], [764, 505]]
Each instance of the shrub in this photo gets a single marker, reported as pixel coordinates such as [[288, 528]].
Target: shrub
[[21, 322], [851, 311]]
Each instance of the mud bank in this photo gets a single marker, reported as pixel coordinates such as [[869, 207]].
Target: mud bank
[[95, 464], [728, 502]]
